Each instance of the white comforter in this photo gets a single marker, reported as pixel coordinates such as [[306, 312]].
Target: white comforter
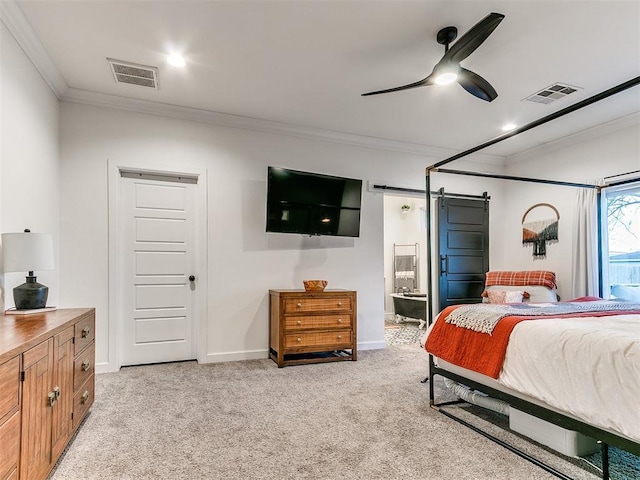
[[589, 367]]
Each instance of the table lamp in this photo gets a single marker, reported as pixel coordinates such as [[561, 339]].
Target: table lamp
[[28, 252]]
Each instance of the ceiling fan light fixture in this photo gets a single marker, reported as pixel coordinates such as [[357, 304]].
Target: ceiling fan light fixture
[[176, 60], [446, 73], [449, 70], [446, 78]]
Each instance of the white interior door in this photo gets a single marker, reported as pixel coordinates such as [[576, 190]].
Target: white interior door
[[157, 225]]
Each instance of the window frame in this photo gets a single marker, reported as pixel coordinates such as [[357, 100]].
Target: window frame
[[630, 185]]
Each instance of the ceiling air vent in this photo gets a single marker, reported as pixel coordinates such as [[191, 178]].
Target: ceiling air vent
[[552, 93], [134, 74]]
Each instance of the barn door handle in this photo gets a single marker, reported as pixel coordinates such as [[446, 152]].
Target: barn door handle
[[443, 264]]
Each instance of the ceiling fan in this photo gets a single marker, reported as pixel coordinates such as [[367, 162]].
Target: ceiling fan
[[448, 69]]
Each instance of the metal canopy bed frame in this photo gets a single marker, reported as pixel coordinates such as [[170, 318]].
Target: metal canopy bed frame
[[605, 437]]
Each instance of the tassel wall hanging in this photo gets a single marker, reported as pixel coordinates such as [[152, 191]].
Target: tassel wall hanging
[[540, 232]]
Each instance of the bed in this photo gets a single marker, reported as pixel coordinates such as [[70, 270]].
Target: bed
[[592, 217], [575, 364]]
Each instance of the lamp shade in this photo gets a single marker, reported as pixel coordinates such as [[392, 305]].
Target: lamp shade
[[26, 252]]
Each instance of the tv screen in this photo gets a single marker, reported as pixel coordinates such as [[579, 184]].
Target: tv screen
[[312, 204]]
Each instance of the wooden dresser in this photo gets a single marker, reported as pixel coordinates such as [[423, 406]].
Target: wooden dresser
[[46, 387], [311, 327]]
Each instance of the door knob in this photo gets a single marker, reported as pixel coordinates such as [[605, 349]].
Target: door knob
[[192, 278]]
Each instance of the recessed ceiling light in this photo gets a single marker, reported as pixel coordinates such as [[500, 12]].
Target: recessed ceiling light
[[507, 127], [176, 60]]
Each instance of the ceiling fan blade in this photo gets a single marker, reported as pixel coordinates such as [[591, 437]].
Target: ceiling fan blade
[[473, 38], [424, 82], [476, 85]]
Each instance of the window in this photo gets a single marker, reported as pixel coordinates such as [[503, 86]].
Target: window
[[621, 242]]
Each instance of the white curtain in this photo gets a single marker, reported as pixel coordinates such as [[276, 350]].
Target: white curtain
[[585, 244]]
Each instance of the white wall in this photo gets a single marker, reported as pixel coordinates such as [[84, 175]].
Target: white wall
[[584, 162], [29, 158], [593, 157], [244, 261]]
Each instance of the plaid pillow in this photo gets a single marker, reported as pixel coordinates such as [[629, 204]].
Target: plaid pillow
[[530, 277]]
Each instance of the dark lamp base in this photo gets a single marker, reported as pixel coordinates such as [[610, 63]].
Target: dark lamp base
[[30, 295]]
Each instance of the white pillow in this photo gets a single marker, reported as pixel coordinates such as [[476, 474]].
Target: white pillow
[[537, 293], [505, 296]]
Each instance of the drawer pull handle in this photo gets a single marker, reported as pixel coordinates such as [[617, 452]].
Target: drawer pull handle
[[85, 332], [339, 337], [299, 322], [85, 397], [56, 392], [299, 305], [51, 398], [339, 320], [298, 339], [339, 304], [86, 365]]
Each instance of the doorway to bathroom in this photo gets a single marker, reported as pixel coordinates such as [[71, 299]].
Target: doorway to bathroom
[[405, 278]]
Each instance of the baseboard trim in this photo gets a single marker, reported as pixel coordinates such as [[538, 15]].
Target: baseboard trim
[[372, 345], [105, 367], [236, 356]]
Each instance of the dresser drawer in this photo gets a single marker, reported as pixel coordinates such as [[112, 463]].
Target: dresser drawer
[[9, 386], [82, 400], [334, 339], [318, 322], [84, 333], [83, 366], [10, 441], [305, 305]]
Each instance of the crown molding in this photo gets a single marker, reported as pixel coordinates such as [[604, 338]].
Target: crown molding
[[87, 97], [12, 17], [19, 27], [579, 137]]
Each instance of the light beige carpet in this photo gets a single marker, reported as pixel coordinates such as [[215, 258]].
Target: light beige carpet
[[366, 420]]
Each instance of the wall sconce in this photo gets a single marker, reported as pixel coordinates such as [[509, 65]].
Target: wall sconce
[[28, 252]]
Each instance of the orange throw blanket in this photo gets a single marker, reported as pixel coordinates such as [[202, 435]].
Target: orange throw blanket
[[481, 352]]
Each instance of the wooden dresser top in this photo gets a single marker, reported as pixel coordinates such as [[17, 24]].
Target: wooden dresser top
[[312, 292], [18, 333]]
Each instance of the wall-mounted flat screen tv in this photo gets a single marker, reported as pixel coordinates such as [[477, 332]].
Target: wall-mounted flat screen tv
[[312, 204]]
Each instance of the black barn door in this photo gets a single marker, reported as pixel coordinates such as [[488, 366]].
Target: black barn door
[[463, 248]]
